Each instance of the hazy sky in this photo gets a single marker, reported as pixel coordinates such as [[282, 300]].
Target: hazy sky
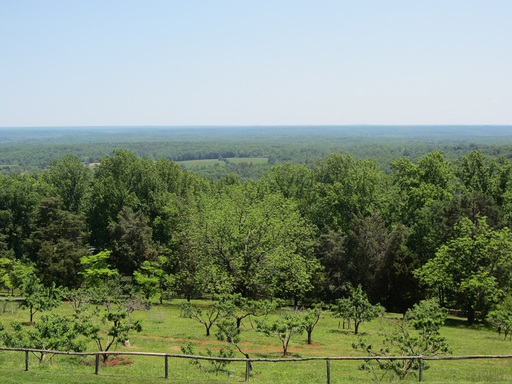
[[214, 62]]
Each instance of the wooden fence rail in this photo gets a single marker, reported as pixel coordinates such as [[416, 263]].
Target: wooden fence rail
[[248, 362]]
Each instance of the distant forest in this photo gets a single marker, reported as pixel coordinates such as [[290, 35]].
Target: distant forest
[[32, 149], [405, 214]]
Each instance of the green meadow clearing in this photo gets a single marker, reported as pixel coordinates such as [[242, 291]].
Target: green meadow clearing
[[165, 331], [194, 164]]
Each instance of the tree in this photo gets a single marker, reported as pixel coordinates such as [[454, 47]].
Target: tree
[[57, 243], [371, 250], [152, 278], [96, 269], [474, 268], [283, 328], [52, 333], [310, 320], [132, 241], [426, 319], [207, 317], [244, 236], [343, 187], [238, 307], [357, 308], [501, 317], [229, 331], [107, 325], [38, 298]]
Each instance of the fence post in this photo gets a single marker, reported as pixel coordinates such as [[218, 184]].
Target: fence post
[[166, 366], [247, 370], [328, 363], [97, 365], [421, 370], [26, 360]]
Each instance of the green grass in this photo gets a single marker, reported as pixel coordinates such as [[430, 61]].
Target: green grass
[[165, 331], [206, 163]]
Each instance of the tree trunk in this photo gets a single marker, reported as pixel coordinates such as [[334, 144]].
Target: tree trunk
[[471, 314], [356, 327], [310, 331]]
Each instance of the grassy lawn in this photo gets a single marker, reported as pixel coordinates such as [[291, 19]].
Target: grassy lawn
[[165, 331]]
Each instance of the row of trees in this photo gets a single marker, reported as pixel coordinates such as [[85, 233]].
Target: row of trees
[[431, 228]]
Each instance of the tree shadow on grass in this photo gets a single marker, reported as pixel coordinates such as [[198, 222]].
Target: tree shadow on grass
[[346, 332], [462, 323]]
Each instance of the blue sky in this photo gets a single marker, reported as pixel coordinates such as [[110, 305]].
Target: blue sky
[[186, 62]]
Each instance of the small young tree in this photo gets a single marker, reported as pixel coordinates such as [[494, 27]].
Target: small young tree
[[239, 307], [218, 365], [229, 332], [107, 325], [51, 333], [501, 317], [39, 298], [206, 317], [357, 308], [152, 279], [425, 318], [310, 320], [283, 328]]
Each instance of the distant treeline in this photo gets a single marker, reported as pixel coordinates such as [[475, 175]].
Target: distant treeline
[[32, 149]]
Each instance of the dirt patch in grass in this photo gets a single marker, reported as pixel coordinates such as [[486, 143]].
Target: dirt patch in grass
[[118, 360]]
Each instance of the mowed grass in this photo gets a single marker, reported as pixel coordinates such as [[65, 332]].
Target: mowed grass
[[165, 331]]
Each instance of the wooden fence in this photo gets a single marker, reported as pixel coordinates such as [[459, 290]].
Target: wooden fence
[[248, 362]]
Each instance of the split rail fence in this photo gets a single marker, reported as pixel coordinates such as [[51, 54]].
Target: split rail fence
[[167, 356]]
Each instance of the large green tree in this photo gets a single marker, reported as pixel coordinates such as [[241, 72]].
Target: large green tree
[[243, 236], [57, 243], [474, 268]]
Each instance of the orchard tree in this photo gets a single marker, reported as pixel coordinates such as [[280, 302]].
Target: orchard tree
[[51, 333], [310, 319], [107, 325], [283, 328], [357, 308], [206, 316], [238, 307], [37, 297], [416, 335]]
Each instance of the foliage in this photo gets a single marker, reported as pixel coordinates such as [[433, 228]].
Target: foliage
[[239, 307], [51, 333], [357, 308], [310, 320], [217, 365], [501, 317], [474, 266], [96, 268], [106, 324], [153, 279], [416, 335], [283, 328], [39, 298], [244, 237], [208, 317]]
